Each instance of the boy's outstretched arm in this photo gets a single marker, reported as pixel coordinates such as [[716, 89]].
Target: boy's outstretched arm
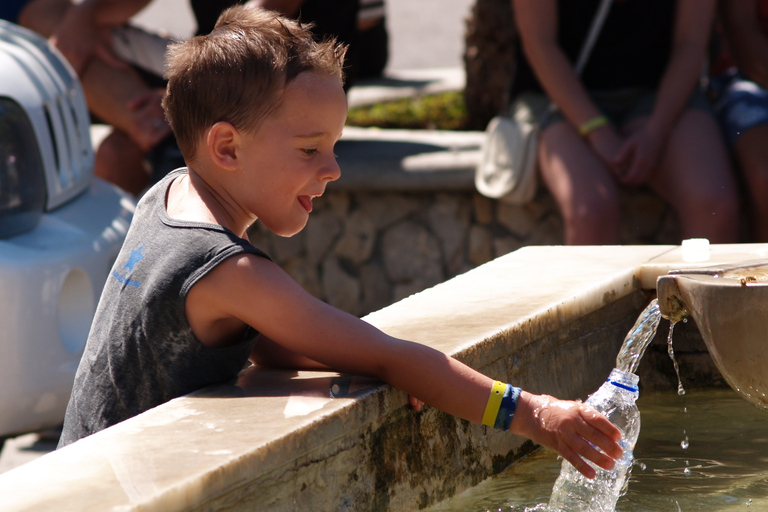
[[258, 293]]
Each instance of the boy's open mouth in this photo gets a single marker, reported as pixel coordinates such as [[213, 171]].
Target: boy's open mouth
[[306, 202]]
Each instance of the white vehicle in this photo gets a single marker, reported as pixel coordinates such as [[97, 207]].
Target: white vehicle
[[60, 231]]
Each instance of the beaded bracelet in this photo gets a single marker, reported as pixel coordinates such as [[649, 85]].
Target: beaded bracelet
[[592, 125], [501, 406]]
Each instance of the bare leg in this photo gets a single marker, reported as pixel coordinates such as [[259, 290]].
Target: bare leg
[[582, 185], [121, 162], [752, 154], [695, 176]]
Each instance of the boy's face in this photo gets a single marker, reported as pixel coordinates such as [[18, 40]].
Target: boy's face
[[289, 160]]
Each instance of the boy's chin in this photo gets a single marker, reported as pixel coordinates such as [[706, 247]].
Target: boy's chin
[[287, 231]]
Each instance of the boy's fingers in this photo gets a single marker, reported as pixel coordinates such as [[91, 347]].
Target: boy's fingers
[[610, 447], [598, 457], [602, 433], [580, 464], [591, 451], [601, 423]]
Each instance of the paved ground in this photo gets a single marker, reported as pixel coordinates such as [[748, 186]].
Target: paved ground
[[426, 40], [423, 33]]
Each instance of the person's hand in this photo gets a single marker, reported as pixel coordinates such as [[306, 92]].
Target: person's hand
[[416, 404], [607, 144], [639, 157], [150, 126], [80, 39], [573, 429]]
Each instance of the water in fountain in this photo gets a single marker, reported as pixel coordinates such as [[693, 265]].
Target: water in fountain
[[721, 470]]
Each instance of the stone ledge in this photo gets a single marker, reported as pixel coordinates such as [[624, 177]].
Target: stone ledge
[[282, 440], [279, 441], [375, 159]]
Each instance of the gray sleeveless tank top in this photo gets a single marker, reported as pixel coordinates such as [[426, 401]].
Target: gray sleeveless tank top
[[141, 351]]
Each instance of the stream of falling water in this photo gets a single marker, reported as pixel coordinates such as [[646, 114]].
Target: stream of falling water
[[638, 338], [671, 351]]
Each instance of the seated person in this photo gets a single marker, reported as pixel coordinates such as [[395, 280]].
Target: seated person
[[738, 84], [634, 116]]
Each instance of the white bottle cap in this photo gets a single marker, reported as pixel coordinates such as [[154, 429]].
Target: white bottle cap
[[695, 249]]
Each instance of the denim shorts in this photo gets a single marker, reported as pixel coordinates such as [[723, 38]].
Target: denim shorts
[[738, 103], [619, 106]]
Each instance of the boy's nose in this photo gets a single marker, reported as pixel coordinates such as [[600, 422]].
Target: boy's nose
[[331, 171]]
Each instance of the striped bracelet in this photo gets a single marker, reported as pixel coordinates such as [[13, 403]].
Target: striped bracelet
[[501, 405]]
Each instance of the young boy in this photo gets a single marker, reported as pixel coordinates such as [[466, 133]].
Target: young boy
[[257, 107]]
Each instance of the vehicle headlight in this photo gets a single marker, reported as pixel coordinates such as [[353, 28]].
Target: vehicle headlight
[[22, 178]]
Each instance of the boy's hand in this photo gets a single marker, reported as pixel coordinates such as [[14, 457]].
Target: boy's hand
[[571, 428]]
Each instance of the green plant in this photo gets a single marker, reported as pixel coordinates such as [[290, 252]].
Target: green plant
[[444, 111]]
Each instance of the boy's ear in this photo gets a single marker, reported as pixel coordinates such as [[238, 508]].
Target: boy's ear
[[223, 142]]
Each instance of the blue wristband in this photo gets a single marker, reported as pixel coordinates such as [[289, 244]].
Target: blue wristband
[[507, 408]]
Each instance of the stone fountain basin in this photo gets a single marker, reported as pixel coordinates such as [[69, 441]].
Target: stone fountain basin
[[280, 441], [730, 306]]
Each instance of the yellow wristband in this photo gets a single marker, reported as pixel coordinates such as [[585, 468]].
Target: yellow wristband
[[592, 125], [494, 403]]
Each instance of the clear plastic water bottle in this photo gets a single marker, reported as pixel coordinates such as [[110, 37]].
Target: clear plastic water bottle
[[573, 492]]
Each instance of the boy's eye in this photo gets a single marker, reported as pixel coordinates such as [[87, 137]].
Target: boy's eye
[[309, 151]]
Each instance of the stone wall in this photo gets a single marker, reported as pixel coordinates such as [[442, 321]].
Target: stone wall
[[363, 250]]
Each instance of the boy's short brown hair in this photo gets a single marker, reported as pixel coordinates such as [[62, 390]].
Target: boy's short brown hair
[[238, 72]]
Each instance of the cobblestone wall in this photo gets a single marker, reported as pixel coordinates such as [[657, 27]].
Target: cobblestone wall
[[362, 251]]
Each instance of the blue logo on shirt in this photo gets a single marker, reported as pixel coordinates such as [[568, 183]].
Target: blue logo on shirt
[[135, 257]]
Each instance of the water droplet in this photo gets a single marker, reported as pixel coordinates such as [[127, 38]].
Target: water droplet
[[684, 443], [686, 471], [749, 502]]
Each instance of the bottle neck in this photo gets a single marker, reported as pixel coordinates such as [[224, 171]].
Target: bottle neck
[[625, 381]]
